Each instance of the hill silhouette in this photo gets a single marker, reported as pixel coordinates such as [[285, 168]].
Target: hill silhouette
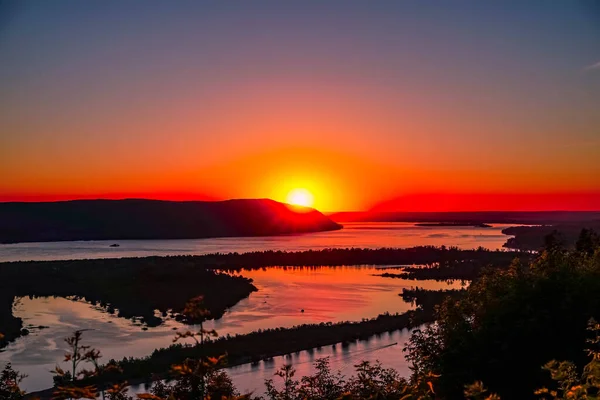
[[154, 219], [471, 217]]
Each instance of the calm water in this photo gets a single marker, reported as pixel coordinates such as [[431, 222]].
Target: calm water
[[385, 348], [365, 235], [325, 294]]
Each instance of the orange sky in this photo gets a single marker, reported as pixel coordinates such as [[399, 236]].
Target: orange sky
[[360, 105], [337, 180]]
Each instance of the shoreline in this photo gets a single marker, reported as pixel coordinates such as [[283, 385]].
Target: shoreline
[[262, 345], [135, 297], [454, 224]]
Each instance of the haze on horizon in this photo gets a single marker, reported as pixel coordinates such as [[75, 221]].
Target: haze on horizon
[[393, 105]]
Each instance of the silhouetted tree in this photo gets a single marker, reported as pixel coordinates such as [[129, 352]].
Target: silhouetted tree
[[9, 384], [509, 323], [588, 240]]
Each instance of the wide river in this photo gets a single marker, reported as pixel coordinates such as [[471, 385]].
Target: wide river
[[363, 235], [324, 293]]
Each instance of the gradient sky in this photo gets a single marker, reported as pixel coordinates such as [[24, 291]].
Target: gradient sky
[[360, 102]]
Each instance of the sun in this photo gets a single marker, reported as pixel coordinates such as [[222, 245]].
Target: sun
[[300, 197]]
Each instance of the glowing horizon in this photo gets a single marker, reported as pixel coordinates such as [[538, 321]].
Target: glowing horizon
[[300, 197], [399, 105]]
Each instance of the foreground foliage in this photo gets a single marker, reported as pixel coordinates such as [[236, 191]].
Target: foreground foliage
[[9, 384], [511, 321], [489, 342]]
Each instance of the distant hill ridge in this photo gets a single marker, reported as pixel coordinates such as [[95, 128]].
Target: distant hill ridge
[[154, 219], [470, 217]]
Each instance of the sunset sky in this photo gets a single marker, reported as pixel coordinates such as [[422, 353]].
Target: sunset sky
[[361, 103]]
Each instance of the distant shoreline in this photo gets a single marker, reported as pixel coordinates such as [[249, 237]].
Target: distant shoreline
[[457, 224], [477, 217]]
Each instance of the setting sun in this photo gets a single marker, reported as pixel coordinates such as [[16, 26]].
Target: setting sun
[[300, 197]]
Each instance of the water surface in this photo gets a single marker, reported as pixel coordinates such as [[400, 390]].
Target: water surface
[[324, 293], [386, 348], [358, 235]]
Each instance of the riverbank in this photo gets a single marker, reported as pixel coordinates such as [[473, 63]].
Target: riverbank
[[259, 345], [136, 287], [129, 288], [532, 238]]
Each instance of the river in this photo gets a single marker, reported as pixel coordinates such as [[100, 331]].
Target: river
[[363, 235], [286, 297]]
